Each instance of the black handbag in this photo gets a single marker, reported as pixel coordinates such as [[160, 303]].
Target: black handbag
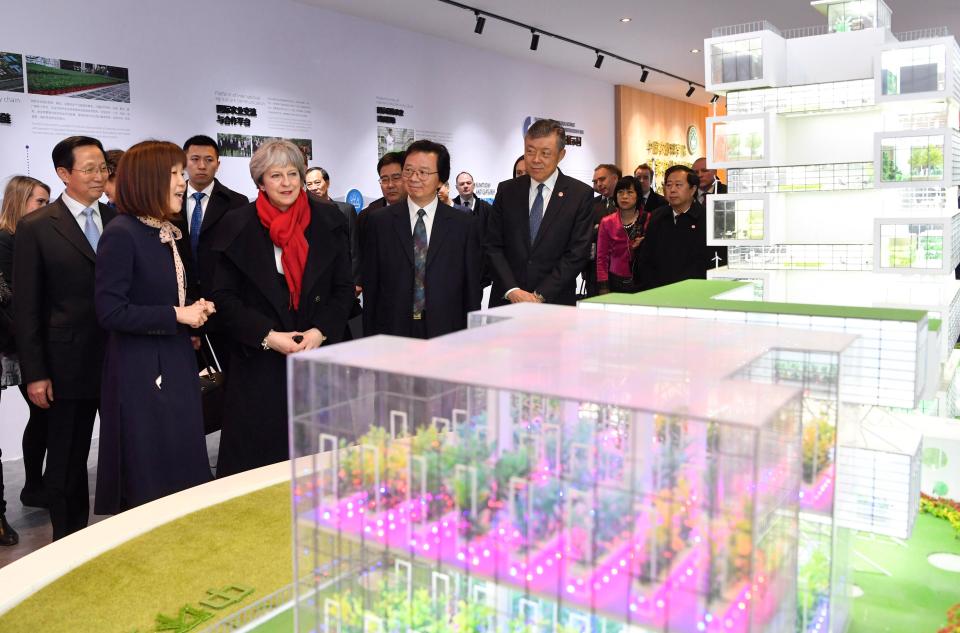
[[211, 387]]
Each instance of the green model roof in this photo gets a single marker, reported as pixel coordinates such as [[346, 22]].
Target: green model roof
[[702, 294]]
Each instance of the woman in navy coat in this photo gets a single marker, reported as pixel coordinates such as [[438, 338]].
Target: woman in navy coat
[[151, 428]]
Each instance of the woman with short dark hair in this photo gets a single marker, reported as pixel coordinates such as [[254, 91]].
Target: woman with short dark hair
[[152, 441], [618, 238]]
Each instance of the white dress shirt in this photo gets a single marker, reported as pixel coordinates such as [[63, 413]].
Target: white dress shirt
[[548, 186], [431, 210], [277, 254], [191, 203], [77, 209]]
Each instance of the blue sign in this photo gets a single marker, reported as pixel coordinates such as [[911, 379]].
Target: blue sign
[[355, 198]]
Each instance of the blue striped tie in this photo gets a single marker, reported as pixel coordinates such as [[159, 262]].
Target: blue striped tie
[[90, 228], [536, 213]]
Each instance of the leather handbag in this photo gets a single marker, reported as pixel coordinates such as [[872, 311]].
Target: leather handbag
[[211, 387]]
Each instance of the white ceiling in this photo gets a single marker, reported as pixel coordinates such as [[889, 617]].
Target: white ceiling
[[660, 33]]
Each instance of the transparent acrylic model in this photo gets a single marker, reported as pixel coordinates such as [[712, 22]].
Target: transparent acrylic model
[[532, 475]]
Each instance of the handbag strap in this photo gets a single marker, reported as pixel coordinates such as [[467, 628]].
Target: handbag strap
[[205, 357]]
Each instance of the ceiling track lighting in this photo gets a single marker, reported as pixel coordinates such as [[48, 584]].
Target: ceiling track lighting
[[714, 98], [482, 15], [481, 22]]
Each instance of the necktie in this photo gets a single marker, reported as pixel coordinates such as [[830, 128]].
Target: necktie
[[90, 228], [196, 219], [536, 213], [419, 263]]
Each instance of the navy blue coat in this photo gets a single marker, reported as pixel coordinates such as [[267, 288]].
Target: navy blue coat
[[151, 435]]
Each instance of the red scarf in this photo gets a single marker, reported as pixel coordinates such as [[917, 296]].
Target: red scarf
[[287, 229]]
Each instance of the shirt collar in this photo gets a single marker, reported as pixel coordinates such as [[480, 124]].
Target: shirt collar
[[430, 208], [206, 190], [550, 183], [77, 208]]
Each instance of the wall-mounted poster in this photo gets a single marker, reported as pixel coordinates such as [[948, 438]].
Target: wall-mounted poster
[[82, 80], [11, 72]]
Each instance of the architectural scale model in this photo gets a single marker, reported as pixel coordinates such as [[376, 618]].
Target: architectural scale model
[[563, 470]]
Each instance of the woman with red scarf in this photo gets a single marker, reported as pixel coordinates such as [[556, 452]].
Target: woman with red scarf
[[281, 285]]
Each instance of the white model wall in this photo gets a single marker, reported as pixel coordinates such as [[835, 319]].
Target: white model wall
[[339, 68]]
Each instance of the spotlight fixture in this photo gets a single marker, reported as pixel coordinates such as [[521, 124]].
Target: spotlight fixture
[[714, 98], [534, 40], [694, 50], [625, 20], [481, 22], [644, 75], [690, 90], [599, 62]]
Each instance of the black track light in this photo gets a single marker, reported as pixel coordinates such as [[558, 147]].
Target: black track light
[[481, 22], [599, 62], [644, 75], [690, 90], [534, 40], [714, 98]]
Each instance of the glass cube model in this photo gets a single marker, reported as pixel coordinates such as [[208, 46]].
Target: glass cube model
[[853, 15], [552, 470]]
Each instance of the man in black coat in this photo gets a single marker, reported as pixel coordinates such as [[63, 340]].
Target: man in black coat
[[391, 185], [206, 203], [538, 232], [648, 200], [479, 208], [421, 267], [59, 341], [675, 245]]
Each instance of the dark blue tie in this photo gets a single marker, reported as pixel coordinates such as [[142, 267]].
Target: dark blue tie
[[196, 219], [536, 213], [419, 264]]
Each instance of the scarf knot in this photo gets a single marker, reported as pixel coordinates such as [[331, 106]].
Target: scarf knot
[[168, 235]]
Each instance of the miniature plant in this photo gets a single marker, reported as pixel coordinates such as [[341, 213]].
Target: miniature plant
[[946, 509], [818, 442]]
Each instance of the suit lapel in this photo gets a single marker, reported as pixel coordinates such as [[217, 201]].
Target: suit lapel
[[67, 226], [255, 258], [401, 224], [553, 207], [215, 208], [439, 231], [522, 203]]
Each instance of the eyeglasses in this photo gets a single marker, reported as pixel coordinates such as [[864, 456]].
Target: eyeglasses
[[103, 169], [422, 173], [394, 178]]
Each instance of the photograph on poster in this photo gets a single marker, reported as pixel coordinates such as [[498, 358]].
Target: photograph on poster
[[235, 145], [305, 144], [83, 80], [11, 72], [393, 139]]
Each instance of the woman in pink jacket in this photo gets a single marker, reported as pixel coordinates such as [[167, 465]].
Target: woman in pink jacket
[[619, 236]]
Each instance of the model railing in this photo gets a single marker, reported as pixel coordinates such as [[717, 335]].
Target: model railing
[[922, 34], [806, 31], [747, 27], [244, 617]]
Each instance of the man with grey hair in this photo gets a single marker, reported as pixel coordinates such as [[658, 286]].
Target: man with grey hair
[[538, 231]]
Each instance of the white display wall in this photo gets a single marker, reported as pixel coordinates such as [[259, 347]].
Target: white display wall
[[310, 73]]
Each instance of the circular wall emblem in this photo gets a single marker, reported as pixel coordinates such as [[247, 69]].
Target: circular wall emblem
[[693, 139], [355, 198]]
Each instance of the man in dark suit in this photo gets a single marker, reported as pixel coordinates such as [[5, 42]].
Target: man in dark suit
[[675, 245], [538, 232], [710, 184], [421, 266], [59, 340], [205, 204], [480, 209], [389, 169], [648, 200]]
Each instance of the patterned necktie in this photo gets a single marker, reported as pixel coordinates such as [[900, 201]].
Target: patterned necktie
[[419, 263], [536, 213], [90, 228], [196, 219]]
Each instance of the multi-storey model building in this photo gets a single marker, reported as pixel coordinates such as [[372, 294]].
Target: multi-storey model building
[[559, 470]]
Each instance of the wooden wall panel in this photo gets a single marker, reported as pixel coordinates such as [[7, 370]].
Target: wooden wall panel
[[642, 117]]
